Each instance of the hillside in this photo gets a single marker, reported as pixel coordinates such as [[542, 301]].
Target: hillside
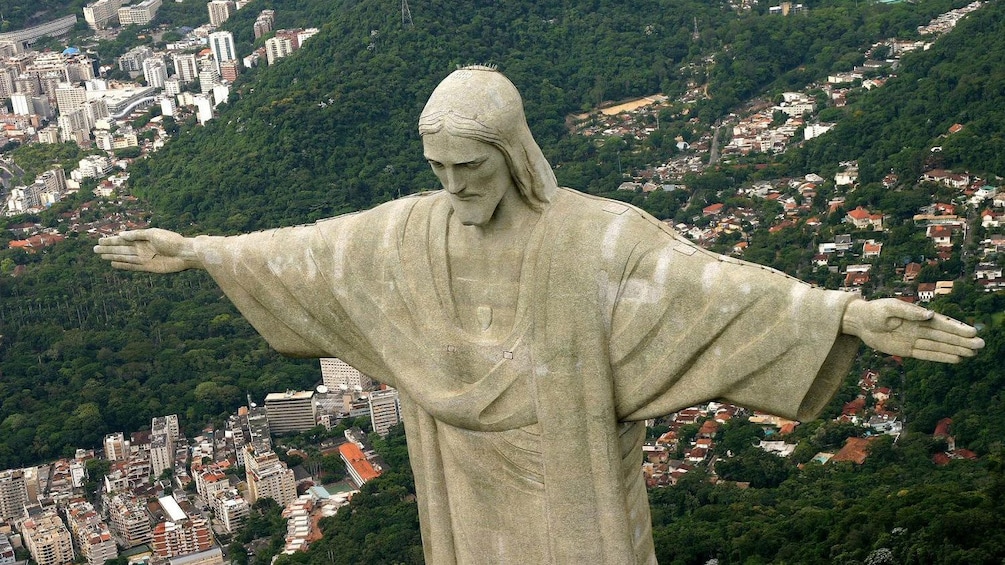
[[960, 80], [332, 128], [85, 351]]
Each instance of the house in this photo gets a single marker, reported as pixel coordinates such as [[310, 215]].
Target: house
[[940, 235], [708, 429], [943, 428], [926, 292], [943, 288], [941, 209], [946, 178], [713, 209], [871, 249], [983, 193], [881, 394], [987, 270], [854, 407], [862, 218], [856, 450], [911, 272], [855, 279], [992, 218], [781, 226], [846, 177], [36, 242]]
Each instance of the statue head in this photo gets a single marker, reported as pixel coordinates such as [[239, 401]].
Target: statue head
[[480, 103]]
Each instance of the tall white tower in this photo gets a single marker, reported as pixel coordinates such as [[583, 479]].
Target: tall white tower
[[222, 45]]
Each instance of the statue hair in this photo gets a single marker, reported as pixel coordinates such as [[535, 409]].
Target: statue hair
[[478, 102]]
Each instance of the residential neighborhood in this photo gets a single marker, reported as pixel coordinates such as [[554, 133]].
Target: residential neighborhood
[[158, 497]]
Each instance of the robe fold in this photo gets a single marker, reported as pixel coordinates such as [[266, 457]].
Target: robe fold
[[527, 449]]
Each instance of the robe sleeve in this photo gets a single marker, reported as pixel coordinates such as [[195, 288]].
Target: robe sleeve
[[303, 288], [690, 326]]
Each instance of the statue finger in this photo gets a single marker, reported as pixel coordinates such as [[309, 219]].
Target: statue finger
[[114, 250], [936, 356], [950, 337], [911, 312], [120, 258], [126, 266], [951, 325], [113, 240], [944, 347]]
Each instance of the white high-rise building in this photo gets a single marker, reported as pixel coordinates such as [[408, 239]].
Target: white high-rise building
[[139, 14], [168, 107], [209, 77], [277, 47], [186, 68], [164, 433], [385, 410], [116, 447], [221, 43], [7, 556], [204, 108], [265, 22], [219, 11], [99, 14], [70, 98], [230, 508], [172, 87], [129, 518], [291, 411], [336, 374], [22, 104], [93, 537], [155, 72], [268, 477]]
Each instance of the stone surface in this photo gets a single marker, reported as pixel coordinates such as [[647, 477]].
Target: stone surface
[[531, 329]]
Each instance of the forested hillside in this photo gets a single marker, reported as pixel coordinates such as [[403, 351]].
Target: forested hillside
[[960, 80], [85, 351], [332, 128]]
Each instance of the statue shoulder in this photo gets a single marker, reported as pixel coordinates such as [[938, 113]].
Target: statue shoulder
[[592, 210]]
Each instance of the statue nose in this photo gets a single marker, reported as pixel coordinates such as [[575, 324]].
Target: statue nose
[[453, 182]]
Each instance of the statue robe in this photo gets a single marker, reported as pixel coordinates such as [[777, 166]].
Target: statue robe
[[528, 449]]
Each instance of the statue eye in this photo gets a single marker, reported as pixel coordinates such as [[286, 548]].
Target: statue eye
[[472, 164], [434, 164]]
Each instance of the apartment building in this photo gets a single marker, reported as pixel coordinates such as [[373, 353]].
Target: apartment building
[[291, 411], [13, 494], [47, 539]]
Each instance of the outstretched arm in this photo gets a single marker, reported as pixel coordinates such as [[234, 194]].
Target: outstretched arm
[[898, 328], [152, 250]]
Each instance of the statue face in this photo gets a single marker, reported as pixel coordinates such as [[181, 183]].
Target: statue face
[[473, 172]]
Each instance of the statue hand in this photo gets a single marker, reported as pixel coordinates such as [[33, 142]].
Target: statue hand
[[898, 328], [151, 250]]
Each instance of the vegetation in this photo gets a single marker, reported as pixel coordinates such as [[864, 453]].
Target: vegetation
[[17, 14], [85, 351], [342, 136], [959, 80]]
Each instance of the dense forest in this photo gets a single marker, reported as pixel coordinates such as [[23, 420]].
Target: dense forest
[[342, 136], [85, 351], [960, 80]]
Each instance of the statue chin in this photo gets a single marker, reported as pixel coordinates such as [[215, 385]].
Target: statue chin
[[470, 213]]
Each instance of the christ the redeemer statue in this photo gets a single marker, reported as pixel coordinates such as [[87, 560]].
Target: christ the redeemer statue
[[531, 329]]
